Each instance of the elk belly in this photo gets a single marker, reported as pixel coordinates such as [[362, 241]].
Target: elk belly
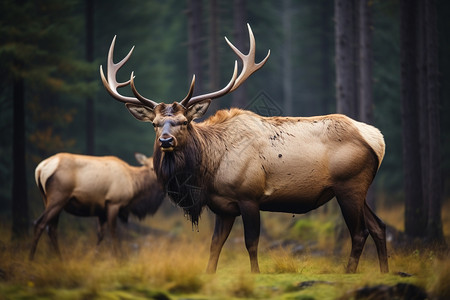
[[79, 208], [291, 203]]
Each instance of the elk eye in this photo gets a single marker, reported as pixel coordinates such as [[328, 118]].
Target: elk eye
[[185, 122], [154, 125]]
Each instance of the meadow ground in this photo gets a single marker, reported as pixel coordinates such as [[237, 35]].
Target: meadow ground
[[165, 258]]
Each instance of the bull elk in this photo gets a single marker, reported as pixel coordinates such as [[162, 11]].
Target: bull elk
[[105, 187], [238, 163]]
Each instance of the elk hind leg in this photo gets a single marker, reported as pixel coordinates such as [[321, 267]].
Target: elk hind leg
[[377, 230], [53, 234], [353, 212], [222, 229], [38, 229], [41, 223]]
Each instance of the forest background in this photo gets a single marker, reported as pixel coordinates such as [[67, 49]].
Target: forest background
[[52, 100]]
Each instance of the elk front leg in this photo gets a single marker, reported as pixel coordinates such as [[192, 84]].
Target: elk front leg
[[251, 220], [53, 234], [112, 212], [222, 230], [101, 226]]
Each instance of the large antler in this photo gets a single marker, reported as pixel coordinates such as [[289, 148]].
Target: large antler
[[249, 67], [112, 85]]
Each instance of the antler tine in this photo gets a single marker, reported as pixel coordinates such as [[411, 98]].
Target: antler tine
[[112, 85], [185, 101], [249, 65], [142, 99], [216, 94]]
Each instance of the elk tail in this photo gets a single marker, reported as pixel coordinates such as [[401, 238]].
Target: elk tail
[[37, 177], [43, 172], [375, 139]]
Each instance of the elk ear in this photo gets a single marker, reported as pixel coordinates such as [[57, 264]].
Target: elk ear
[[141, 158], [141, 112], [197, 110]]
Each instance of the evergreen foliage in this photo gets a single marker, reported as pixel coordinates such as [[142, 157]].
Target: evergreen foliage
[[42, 42]]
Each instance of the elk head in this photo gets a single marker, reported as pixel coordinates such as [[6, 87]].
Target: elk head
[[172, 121]]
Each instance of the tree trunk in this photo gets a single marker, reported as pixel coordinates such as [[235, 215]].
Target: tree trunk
[[20, 215], [345, 58], [434, 228], [287, 57], [90, 117], [325, 64], [365, 62], [415, 221], [241, 42], [214, 73], [365, 75], [195, 36]]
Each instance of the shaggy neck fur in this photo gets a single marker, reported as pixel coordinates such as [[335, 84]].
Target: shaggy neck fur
[[187, 172], [149, 197], [181, 173]]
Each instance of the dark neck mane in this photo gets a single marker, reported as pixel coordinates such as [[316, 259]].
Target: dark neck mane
[[186, 173], [181, 173]]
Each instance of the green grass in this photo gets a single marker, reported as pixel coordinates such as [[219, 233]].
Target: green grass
[[172, 266], [175, 270]]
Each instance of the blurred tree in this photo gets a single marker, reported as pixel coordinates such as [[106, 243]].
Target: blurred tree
[[365, 91], [55, 111], [326, 51], [240, 34], [443, 7], [415, 221], [386, 91], [19, 209], [213, 52], [344, 11], [287, 56], [434, 182], [90, 117], [35, 50], [420, 118], [354, 59], [195, 42]]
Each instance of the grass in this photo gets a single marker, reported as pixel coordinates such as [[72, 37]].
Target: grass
[[171, 265]]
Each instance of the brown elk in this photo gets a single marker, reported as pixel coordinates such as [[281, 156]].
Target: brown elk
[[238, 163], [105, 187]]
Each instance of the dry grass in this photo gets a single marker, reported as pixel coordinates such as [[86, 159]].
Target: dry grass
[[173, 264], [159, 263], [283, 261]]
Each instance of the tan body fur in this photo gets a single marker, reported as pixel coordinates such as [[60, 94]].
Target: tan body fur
[[105, 187], [287, 164]]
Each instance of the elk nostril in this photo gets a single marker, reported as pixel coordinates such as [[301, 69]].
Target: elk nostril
[[166, 142]]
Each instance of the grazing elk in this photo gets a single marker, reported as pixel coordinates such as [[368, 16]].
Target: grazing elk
[[238, 163], [105, 187]]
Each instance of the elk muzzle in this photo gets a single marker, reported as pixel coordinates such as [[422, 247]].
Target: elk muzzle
[[166, 143]]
